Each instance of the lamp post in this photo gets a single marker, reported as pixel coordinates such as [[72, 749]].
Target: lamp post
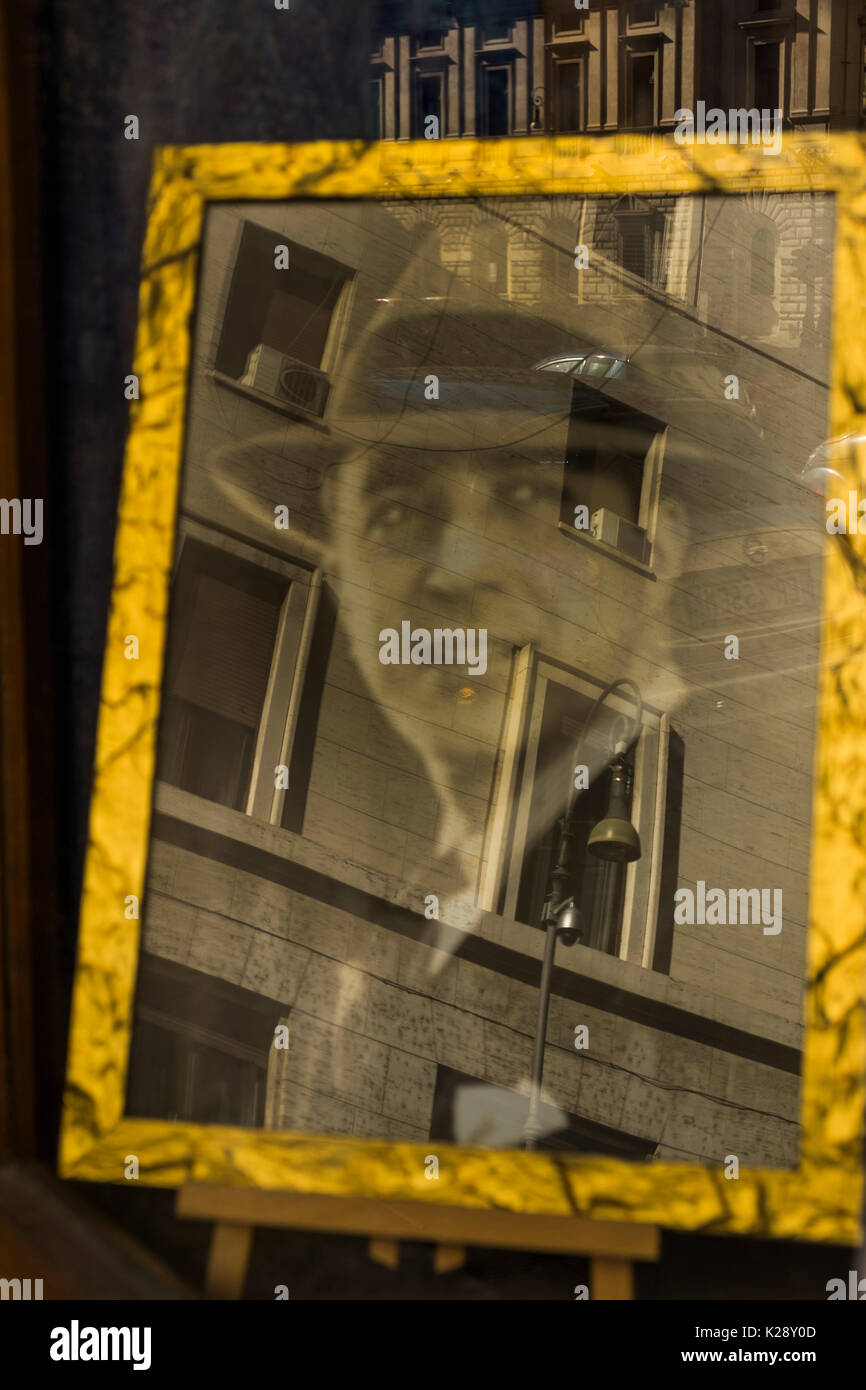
[[614, 839]]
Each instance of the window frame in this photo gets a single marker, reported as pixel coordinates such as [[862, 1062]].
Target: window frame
[[769, 268], [628, 277], [639, 52], [755, 42], [486, 65], [557, 63], [421, 44], [422, 74], [249, 230], [557, 26], [160, 1014], [641, 24], [648, 508], [494, 40], [377, 81], [505, 845], [481, 249], [278, 721]]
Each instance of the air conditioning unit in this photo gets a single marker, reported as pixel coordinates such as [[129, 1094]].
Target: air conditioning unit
[[286, 379], [623, 535]]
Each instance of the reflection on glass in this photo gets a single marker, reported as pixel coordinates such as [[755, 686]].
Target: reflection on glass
[[493, 567]]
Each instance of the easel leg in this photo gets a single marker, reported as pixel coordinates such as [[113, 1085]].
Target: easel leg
[[448, 1257], [385, 1252], [228, 1259], [611, 1279]]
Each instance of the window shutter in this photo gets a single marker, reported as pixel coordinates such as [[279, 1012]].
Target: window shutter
[[226, 659], [641, 237], [634, 245]]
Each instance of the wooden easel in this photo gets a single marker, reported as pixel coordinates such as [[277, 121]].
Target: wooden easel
[[610, 1246]]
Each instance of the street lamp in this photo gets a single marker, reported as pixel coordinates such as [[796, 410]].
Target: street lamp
[[537, 122], [613, 839]]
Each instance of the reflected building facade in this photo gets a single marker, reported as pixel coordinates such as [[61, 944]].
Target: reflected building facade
[[617, 65]]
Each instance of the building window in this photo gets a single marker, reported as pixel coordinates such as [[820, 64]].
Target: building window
[[375, 109], [568, 20], [429, 100], [233, 672], [200, 1047], [597, 886], [767, 60], [495, 91], [641, 90], [433, 37], [642, 12], [496, 30], [490, 257], [560, 273], [640, 243], [468, 1110], [610, 455], [626, 910], [282, 326], [762, 262], [225, 614], [569, 113]]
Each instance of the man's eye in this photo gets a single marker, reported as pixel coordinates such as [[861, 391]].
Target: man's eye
[[518, 494], [390, 514]]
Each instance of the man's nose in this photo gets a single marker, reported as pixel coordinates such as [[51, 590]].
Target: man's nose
[[467, 561], [448, 592], [420, 566]]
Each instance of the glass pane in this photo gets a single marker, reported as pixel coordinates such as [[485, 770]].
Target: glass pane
[[568, 91], [642, 77], [498, 87], [224, 618], [374, 110], [767, 76], [535, 492], [430, 98]]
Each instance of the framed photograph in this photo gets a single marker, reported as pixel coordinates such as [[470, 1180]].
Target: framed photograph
[[477, 815]]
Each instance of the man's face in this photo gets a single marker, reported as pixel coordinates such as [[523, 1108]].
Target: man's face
[[445, 541], [470, 540]]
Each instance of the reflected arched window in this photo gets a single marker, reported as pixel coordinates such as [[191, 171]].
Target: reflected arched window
[[762, 268], [637, 238], [560, 274], [490, 256], [759, 316]]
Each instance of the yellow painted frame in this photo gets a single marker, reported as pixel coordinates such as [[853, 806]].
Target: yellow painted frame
[[820, 1200]]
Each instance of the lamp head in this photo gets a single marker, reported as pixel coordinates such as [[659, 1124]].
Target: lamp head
[[615, 838]]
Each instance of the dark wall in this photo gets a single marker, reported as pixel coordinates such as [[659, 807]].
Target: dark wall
[[193, 72]]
